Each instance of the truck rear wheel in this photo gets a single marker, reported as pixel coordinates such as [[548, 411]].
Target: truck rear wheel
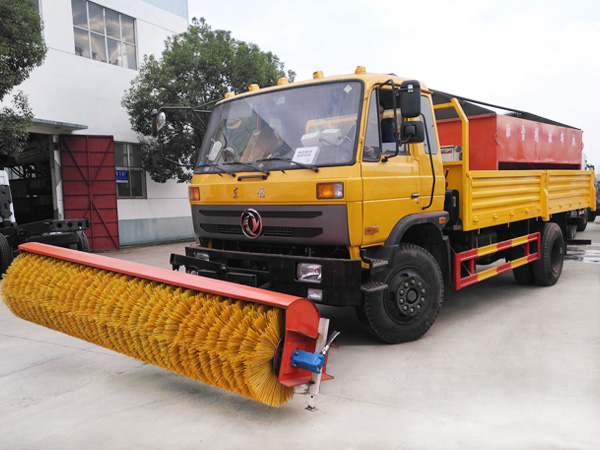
[[410, 304], [523, 274], [548, 268], [583, 220]]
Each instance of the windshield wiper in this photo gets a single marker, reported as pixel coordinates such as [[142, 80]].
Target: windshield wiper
[[276, 158], [219, 170], [254, 168]]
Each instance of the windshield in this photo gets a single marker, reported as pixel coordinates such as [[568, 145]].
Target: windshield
[[296, 128]]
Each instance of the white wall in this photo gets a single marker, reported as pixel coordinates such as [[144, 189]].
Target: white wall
[[165, 215], [166, 200], [72, 89]]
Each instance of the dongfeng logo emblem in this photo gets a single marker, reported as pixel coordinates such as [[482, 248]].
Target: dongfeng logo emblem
[[251, 223]]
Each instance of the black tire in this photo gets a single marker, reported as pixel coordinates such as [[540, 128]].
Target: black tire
[[66, 240], [360, 313], [410, 304], [83, 244], [591, 215], [6, 255], [548, 268], [582, 224], [524, 274]]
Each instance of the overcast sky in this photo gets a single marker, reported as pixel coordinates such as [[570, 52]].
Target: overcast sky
[[540, 56]]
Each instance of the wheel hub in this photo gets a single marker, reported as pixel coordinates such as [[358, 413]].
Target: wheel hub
[[409, 296]]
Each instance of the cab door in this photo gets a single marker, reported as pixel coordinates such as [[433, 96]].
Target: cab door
[[393, 186]]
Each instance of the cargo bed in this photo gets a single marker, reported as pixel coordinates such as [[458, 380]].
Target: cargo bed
[[495, 197]]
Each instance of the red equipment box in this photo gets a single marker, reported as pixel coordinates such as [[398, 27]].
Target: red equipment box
[[502, 142]]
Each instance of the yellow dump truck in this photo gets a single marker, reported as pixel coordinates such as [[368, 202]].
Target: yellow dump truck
[[376, 192]]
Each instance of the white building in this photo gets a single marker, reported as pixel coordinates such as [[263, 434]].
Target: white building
[[83, 159]]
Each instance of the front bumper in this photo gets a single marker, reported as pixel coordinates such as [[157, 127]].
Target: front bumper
[[340, 283]]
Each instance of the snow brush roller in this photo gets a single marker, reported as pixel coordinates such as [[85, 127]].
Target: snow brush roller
[[253, 342]]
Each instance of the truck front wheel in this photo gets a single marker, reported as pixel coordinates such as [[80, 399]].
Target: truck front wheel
[[410, 304], [548, 268]]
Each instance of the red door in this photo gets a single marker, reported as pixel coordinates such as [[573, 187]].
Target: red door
[[89, 186]]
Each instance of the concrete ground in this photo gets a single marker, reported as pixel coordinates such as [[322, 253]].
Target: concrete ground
[[504, 367]]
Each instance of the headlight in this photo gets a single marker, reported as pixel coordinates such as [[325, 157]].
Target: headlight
[[309, 273], [316, 295], [202, 256]]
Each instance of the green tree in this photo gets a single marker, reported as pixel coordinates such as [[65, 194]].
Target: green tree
[[22, 49], [196, 68]]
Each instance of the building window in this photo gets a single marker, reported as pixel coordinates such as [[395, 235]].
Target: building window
[[131, 178], [103, 34]]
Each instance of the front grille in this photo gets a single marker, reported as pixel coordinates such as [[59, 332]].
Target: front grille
[[270, 214], [224, 229], [297, 224], [292, 232], [280, 231]]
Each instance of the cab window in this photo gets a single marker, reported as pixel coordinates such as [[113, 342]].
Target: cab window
[[379, 138], [372, 148], [427, 118]]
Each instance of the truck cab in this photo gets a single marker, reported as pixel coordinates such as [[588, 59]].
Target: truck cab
[[294, 185]]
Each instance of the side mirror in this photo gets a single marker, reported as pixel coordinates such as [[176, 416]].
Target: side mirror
[[158, 121], [410, 99], [412, 132]]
